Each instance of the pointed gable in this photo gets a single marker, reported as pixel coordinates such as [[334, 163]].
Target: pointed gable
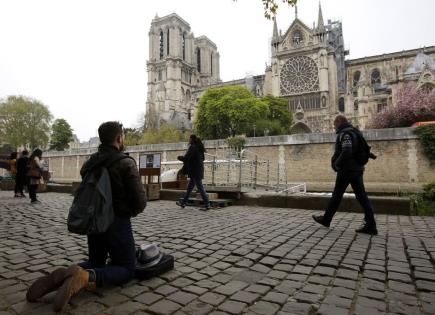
[[297, 34]]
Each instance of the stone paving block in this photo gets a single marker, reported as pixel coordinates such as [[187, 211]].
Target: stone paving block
[[196, 308], [231, 287], [425, 285], [297, 308], [326, 309], [264, 308], [337, 301], [113, 299], [129, 307], [164, 307], [165, 290], [182, 298], [276, 297], [148, 298], [256, 288], [232, 307], [212, 298], [245, 297], [195, 289]]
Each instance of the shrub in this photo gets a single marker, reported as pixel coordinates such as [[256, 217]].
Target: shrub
[[427, 137]]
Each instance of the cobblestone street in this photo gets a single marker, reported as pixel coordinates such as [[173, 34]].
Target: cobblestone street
[[230, 261]]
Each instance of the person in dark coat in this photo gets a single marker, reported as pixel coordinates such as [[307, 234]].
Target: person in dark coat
[[129, 199], [349, 171], [21, 178], [193, 165]]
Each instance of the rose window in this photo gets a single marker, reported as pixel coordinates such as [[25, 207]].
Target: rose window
[[299, 75]]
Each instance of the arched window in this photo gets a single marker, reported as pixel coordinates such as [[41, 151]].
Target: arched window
[[341, 104], [297, 37], [211, 63], [167, 42], [375, 77], [355, 105], [356, 78], [183, 45], [161, 45], [198, 59]]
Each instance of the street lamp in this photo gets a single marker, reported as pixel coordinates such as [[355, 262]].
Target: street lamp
[[254, 130]]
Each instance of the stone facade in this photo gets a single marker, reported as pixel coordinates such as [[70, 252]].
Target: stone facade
[[308, 67]]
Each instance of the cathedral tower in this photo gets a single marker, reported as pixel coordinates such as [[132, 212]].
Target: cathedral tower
[[178, 64]]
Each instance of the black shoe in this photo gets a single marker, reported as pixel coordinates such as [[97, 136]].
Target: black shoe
[[181, 204], [367, 230], [319, 219]]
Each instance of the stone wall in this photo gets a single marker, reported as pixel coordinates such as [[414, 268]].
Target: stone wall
[[401, 164]]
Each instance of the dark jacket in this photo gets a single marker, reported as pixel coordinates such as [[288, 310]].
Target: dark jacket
[[346, 145], [128, 194], [22, 166], [193, 162]]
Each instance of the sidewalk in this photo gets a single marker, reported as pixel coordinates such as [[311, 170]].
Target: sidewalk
[[233, 260]]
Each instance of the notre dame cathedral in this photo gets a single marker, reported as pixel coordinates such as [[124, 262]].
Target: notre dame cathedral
[[308, 67]]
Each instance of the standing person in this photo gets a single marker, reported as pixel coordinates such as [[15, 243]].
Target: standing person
[[34, 173], [128, 197], [349, 171], [13, 170], [21, 179], [194, 167]]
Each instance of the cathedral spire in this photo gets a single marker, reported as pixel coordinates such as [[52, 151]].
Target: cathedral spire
[[320, 23], [296, 11], [275, 29]]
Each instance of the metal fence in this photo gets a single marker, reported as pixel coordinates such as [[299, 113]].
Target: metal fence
[[244, 170]]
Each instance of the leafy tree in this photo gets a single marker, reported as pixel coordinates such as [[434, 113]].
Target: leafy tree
[[227, 111], [61, 135], [271, 7], [278, 120], [166, 134], [24, 121], [412, 104]]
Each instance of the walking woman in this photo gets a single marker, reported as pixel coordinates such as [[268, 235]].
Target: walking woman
[[194, 167], [21, 179], [34, 174]]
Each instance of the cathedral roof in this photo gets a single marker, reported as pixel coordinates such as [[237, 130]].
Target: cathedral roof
[[165, 18], [421, 62]]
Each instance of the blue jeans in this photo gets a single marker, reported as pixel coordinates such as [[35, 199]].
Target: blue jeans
[[198, 183], [118, 243]]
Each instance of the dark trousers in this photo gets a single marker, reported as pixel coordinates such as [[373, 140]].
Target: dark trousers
[[32, 192], [118, 243], [198, 183], [355, 179], [20, 181]]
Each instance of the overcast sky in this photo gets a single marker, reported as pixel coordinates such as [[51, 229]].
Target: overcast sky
[[86, 59]]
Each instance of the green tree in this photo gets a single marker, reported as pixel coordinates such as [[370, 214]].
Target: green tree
[[278, 120], [61, 135], [24, 121], [166, 134], [227, 111]]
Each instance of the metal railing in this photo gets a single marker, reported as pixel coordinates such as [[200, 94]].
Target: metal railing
[[244, 170]]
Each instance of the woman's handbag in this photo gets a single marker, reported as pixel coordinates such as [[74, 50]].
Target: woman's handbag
[[34, 173]]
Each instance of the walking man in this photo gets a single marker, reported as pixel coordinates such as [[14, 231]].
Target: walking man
[[128, 197], [349, 171]]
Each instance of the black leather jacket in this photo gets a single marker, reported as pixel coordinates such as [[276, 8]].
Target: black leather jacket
[[128, 194], [346, 145]]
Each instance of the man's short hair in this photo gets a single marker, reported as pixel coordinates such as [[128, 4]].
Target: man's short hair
[[341, 119], [108, 131], [25, 152]]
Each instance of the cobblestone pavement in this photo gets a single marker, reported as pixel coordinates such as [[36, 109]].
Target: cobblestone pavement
[[230, 261]]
